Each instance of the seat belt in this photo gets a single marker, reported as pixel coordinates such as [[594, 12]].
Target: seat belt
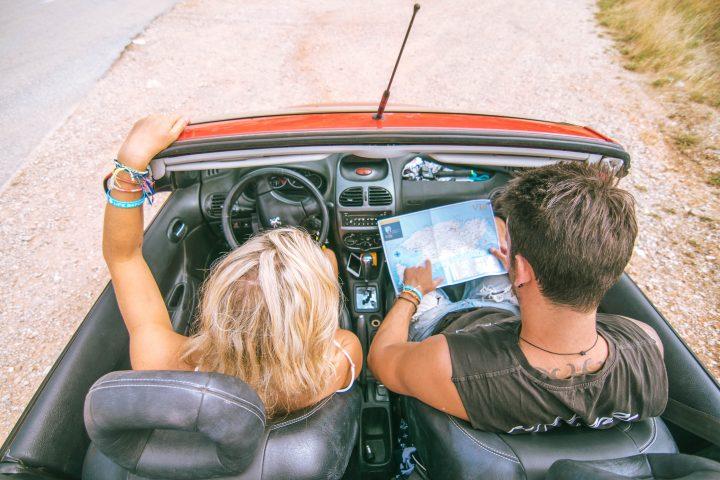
[[702, 424]]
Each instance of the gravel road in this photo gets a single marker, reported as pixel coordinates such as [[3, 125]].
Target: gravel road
[[536, 58]]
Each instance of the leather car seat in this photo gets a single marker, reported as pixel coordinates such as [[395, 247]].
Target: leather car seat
[[193, 425], [450, 448], [647, 467]]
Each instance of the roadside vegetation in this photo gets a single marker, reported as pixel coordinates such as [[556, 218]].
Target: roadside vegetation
[[677, 44], [676, 40]]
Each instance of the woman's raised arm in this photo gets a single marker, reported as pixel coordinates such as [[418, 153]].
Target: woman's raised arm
[[153, 342]]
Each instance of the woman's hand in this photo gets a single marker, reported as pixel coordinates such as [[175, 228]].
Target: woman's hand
[[330, 255], [149, 137], [420, 277]]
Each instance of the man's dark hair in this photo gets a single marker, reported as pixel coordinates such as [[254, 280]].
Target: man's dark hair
[[574, 226]]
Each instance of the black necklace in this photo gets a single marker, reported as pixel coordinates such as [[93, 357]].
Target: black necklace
[[581, 352]]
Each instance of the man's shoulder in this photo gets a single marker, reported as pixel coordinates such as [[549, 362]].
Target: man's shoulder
[[633, 330], [482, 347]]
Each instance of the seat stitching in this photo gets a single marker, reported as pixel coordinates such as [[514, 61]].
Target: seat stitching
[[624, 432], [524, 471], [480, 444], [170, 380], [302, 417], [652, 439], [185, 389], [202, 400]]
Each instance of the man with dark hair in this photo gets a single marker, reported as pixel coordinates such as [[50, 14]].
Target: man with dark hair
[[567, 235]]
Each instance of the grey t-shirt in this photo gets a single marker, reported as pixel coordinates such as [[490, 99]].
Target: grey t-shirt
[[502, 392]]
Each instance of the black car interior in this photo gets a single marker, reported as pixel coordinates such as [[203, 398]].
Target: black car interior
[[209, 425], [188, 425]]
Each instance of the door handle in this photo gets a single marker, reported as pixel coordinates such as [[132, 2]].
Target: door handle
[[177, 231]]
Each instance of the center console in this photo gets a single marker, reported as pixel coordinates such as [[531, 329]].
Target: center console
[[364, 193]]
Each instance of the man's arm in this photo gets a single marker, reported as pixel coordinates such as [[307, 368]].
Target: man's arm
[[422, 370]]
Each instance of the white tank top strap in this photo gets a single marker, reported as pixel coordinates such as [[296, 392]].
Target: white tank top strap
[[352, 368]]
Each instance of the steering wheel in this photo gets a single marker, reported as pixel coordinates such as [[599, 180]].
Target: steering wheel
[[273, 210]]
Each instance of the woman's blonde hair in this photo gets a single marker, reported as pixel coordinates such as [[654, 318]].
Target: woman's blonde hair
[[268, 315]]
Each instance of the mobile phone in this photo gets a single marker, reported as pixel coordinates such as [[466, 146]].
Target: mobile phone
[[354, 264]]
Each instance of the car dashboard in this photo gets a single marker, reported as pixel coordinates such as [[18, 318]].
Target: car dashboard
[[357, 190]]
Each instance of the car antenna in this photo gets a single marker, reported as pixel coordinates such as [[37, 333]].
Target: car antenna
[[386, 93]]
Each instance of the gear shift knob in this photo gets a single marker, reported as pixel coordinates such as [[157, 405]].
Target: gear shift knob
[[366, 260]]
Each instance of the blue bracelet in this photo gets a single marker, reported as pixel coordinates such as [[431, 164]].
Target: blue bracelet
[[410, 288], [120, 204]]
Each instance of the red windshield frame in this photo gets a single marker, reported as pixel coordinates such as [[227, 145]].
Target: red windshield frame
[[391, 121]]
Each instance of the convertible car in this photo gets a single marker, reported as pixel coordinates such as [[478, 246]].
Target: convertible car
[[335, 172]]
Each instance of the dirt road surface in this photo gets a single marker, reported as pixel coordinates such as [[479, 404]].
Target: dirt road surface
[[544, 59]]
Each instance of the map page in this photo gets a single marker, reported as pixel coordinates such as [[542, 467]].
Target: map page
[[456, 238]]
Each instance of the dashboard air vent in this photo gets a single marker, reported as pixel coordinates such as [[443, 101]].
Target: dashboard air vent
[[212, 172], [352, 197], [378, 196], [215, 205]]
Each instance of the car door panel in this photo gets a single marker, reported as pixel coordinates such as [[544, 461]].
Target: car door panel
[[54, 417], [692, 388]]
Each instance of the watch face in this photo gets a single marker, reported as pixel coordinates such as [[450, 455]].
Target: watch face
[[366, 299]]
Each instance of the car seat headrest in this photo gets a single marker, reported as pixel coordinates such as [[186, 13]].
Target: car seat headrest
[[175, 424]]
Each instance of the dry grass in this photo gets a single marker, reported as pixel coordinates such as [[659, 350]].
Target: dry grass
[[677, 40], [686, 140]]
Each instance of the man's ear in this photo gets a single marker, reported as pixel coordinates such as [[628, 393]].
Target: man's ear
[[524, 272]]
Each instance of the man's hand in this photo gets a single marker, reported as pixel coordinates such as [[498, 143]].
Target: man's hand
[[502, 253], [148, 137], [420, 277]]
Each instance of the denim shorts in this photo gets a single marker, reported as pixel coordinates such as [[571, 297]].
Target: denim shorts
[[494, 291]]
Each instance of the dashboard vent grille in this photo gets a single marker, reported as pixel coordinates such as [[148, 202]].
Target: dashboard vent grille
[[378, 196], [212, 172], [351, 197], [215, 205]]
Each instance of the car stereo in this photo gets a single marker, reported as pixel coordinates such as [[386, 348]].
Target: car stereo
[[364, 219]]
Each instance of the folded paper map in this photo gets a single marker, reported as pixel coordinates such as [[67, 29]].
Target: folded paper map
[[456, 238]]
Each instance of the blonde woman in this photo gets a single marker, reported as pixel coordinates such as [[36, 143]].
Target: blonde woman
[[269, 309]]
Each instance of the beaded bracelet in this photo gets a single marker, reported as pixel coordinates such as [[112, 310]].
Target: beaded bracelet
[[122, 204], [408, 300], [108, 184], [141, 178], [119, 179], [415, 291], [409, 296]]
